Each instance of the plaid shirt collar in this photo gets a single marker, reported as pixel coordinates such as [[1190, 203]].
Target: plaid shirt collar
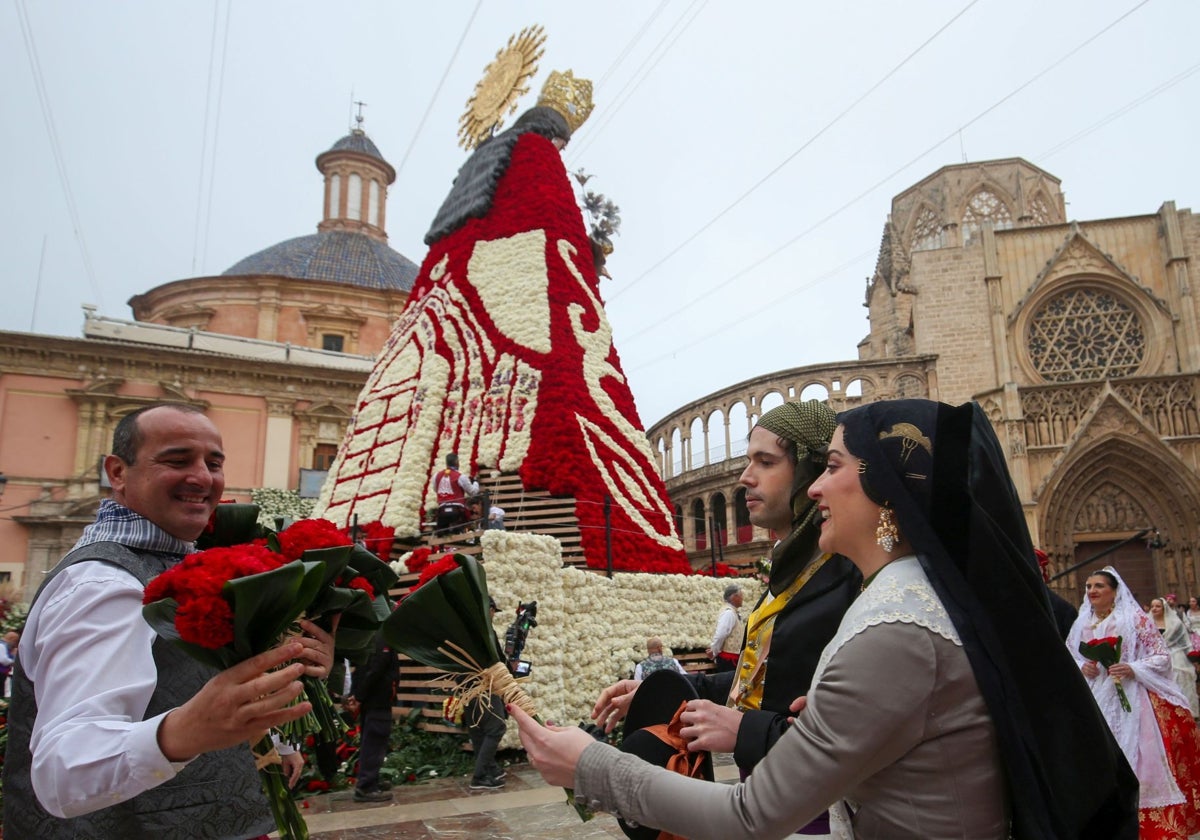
[[117, 523]]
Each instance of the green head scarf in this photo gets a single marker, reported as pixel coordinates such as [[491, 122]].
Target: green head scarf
[[809, 426]]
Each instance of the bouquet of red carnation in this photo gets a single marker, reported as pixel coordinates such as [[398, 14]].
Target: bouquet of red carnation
[[223, 606], [351, 600], [1106, 651], [445, 623]]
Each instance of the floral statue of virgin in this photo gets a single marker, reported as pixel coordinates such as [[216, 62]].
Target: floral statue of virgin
[[504, 355]]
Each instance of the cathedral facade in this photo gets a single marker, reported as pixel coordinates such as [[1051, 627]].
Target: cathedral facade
[[1080, 339]]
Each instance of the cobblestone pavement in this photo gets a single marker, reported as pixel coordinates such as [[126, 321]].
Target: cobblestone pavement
[[443, 809]]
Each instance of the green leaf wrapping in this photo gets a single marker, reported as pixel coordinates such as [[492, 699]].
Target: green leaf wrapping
[[450, 609], [233, 524]]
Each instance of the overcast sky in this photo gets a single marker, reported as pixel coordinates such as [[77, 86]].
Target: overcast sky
[[753, 147]]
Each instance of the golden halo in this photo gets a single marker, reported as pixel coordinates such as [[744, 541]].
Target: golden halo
[[503, 82]]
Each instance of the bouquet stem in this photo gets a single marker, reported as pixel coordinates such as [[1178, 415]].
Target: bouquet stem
[[1121, 694], [283, 808]]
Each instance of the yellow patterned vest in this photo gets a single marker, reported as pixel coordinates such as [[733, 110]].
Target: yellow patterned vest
[[746, 692]]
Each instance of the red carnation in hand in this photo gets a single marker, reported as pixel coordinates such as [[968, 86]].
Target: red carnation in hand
[[362, 583], [207, 622]]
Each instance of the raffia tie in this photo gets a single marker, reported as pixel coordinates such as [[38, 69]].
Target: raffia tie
[[481, 683], [265, 759]]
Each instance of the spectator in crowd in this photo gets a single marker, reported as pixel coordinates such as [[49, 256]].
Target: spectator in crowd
[[112, 731], [656, 661], [485, 717], [8, 655], [731, 629], [372, 696]]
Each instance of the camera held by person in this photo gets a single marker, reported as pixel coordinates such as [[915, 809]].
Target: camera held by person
[[516, 635]]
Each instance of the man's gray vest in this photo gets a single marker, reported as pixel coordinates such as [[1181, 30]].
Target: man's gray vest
[[218, 795]]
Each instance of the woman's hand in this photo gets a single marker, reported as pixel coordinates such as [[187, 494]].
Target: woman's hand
[[614, 702], [1090, 669], [708, 726], [553, 750], [1121, 670], [796, 707]]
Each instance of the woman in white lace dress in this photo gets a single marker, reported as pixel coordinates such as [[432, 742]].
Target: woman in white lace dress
[[1174, 632], [927, 716], [1158, 734]]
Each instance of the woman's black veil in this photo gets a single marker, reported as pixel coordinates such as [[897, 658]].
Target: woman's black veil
[[957, 506]]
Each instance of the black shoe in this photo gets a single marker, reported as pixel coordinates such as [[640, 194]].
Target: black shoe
[[384, 784], [361, 795], [487, 784]]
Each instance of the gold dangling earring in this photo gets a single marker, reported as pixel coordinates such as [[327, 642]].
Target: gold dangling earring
[[887, 534]]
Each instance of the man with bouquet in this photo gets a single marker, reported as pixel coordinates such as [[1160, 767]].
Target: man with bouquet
[[113, 731]]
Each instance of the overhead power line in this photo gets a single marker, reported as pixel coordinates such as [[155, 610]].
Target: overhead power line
[[779, 167], [60, 165], [882, 181], [438, 90], [635, 81]]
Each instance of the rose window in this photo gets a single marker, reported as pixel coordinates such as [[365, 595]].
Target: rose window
[[1085, 334]]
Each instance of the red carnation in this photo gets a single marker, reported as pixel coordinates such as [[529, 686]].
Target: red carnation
[[362, 583], [446, 564], [205, 621], [307, 534]]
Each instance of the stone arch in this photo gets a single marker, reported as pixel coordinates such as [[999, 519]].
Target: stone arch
[[769, 400], [739, 428], [720, 514], [987, 202], [815, 391], [697, 439], [699, 524], [743, 529], [676, 465], [925, 230], [1117, 479], [718, 432], [909, 385]]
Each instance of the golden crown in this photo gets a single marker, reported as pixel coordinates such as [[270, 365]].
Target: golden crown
[[568, 96]]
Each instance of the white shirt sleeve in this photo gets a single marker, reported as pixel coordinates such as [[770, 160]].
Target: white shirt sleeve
[[637, 672], [679, 667], [87, 650], [6, 657], [471, 488], [725, 622]]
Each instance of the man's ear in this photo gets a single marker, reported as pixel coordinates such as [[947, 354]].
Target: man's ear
[[115, 469]]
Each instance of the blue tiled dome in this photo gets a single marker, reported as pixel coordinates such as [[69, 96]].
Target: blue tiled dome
[[351, 258], [357, 141]]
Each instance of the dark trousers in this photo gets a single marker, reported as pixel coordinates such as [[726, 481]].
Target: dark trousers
[[376, 730], [485, 724]]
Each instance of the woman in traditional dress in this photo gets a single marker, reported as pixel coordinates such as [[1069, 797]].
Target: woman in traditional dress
[[928, 714], [1171, 627], [1158, 734]]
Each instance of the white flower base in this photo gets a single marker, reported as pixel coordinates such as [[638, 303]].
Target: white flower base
[[592, 631]]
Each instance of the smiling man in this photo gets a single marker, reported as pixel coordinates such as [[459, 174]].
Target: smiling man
[[114, 732]]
